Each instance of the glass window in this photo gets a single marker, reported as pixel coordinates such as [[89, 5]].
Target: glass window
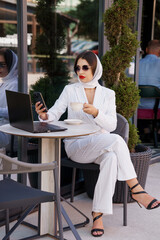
[[157, 21], [130, 71], [8, 25], [58, 33]]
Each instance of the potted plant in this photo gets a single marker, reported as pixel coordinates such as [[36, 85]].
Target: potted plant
[[123, 44]]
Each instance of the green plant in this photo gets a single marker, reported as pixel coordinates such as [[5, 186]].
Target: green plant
[[123, 44], [52, 37], [10, 29], [49, 42], [87, 9]]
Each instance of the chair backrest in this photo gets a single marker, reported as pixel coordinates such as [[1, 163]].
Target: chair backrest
[[10, 165], [149, 91], [122, 127]]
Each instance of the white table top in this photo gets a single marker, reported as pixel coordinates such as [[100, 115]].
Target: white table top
[[72, 131]]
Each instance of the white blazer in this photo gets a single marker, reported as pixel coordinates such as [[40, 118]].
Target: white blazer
[[104, 101]]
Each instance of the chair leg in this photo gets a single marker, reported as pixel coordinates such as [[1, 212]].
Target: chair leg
[[125, 195], [155, 129], [60, 210], [72, 227], [7, 222], [155, 138], [19, 222], [58, 204], [39, 220], [73, 184], [78, 225]]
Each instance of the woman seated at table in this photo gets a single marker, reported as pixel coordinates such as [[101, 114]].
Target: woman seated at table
[[8, 81], [108, 150]]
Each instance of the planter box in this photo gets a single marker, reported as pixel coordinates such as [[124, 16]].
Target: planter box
[[140, 159]]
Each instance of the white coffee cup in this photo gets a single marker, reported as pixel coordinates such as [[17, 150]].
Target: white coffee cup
[[76, 106]]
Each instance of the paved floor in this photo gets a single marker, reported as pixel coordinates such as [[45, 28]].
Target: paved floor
[[142, 223]]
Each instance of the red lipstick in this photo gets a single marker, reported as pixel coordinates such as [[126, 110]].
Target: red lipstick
[[81, 77]]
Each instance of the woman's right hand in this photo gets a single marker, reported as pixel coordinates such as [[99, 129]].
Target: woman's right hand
[[40, 111]]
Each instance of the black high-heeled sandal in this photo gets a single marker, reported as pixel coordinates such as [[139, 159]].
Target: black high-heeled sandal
[[149, 207], [97, 229]]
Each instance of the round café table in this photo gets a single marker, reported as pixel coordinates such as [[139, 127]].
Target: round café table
[[51, 151]]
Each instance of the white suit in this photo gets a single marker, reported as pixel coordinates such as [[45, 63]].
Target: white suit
[[108, 150]]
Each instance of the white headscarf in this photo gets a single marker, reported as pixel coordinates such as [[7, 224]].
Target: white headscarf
[[10, 82], [13, 73], [97, 75]]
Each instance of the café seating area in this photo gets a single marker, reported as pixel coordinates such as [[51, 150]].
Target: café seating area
[[140, 221], [112, 224]]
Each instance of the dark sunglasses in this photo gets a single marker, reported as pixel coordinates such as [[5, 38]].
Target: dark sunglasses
[[84, 68], [2, 64]]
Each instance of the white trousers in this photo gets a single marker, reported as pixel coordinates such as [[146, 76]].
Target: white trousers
[[111, 152]]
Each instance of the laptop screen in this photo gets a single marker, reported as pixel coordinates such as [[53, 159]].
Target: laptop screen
[[19, 110]]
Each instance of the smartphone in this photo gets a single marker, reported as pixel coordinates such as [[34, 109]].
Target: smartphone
[[39, 98]]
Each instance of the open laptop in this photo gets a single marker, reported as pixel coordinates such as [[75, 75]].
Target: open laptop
[[21, 116]]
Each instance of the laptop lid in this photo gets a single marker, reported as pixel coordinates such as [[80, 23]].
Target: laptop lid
[[20, 110]]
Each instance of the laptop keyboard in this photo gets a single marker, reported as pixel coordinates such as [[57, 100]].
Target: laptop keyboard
[[43, 127]]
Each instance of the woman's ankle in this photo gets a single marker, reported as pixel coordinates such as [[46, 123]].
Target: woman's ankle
[[95, 214], [134, 185]]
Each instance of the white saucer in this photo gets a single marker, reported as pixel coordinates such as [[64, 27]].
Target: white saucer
[[73, 121]]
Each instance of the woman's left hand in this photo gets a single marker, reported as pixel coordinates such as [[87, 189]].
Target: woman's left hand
[[90, 109]]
